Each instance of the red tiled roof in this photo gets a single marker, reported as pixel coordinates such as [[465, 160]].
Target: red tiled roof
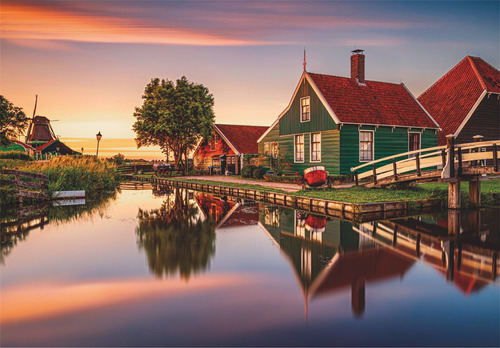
[[373, 103], [243, 138], [451, 98], [41, 147]]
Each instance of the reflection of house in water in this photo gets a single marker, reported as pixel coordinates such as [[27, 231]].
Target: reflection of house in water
[[242, 214], [463, 248], [355, 269], [214, 206], [328, 255]]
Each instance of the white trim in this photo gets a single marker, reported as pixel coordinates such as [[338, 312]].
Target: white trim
[[295, 148], [322, 99], [306, 76], [433, 120], [373, 145], [300, 109], [471, 112], [419, 142], [310, 147], [225, 139]]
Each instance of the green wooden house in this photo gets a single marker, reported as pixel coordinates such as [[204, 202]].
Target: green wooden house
[[341, 122]]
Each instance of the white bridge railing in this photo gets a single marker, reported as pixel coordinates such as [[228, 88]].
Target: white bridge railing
[[418, 161]]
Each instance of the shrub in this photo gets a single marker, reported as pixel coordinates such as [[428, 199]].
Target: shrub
[[15, 155], [276, 162], [258, 173], [247, 171], [118, 159]]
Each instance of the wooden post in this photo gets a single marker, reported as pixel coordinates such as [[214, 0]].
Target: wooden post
[[454, 194], [374, 174], [450, 144], [495, 157], [475, 191], [494, 265], [394, 168], [454, 222], [417, 245], [417, 163], [459, 161], [356, 177], [443, 157], [395, 236], [18, 184]]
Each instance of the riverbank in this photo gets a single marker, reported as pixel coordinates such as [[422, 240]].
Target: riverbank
[[66, 173], [410, 195]]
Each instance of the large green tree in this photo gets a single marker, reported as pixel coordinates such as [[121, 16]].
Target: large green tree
[[174, 117], [13, 121]]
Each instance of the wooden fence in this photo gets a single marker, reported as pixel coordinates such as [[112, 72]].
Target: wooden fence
[[29, 185]]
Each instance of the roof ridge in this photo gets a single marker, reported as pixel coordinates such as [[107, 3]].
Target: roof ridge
[[350, 78], [241, 125], [481, 81], [442, 77]]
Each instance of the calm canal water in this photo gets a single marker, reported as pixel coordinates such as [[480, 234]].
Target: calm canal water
[[184, 268]]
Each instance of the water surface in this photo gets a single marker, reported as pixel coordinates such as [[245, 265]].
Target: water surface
[[182, 268]]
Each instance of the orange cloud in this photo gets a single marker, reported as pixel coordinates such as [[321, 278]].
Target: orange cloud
[[35, 22], [46, 300]]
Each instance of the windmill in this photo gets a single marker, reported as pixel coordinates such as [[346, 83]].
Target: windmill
[[39, 131]]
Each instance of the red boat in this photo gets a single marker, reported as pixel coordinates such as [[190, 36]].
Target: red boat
[[315, 223], [314, 177]]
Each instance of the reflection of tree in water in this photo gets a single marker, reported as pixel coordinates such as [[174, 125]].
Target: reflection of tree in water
[[16, 223], [176, 237]]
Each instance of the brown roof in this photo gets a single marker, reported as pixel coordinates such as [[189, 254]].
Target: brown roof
[[242, 138], [373, 102], [452, 97]]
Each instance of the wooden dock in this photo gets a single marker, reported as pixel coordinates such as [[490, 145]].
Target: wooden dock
[[348, 211]]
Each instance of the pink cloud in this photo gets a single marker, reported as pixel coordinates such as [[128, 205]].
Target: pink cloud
[[33, 22]]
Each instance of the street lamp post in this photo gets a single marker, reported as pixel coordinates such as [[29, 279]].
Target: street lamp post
[[98, 136]]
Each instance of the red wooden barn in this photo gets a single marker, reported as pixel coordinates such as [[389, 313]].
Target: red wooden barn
[[226, 148]]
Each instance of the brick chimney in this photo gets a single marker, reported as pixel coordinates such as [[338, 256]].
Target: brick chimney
[[358, 65]]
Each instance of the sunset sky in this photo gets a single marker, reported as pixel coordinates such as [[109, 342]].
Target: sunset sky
[[89, 61]]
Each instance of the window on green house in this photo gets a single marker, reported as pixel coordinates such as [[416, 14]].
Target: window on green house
[[305, 114], [365, 146], [299, 148], [266, 148], [316, 147], [413, 142]]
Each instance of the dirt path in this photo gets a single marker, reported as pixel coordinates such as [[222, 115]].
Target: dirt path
[[281, 186], [223, 178]]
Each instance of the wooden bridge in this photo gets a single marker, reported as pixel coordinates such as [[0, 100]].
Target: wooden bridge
[[450, 163]]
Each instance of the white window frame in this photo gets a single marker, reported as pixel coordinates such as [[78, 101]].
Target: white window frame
[[359, 145], [419, 142], [301, 110], [311, 148], [295, 148]]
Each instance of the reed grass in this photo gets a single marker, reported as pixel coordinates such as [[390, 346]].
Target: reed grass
[[75, 173]]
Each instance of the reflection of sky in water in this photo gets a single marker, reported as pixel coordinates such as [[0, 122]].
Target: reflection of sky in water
[[87, 283]]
